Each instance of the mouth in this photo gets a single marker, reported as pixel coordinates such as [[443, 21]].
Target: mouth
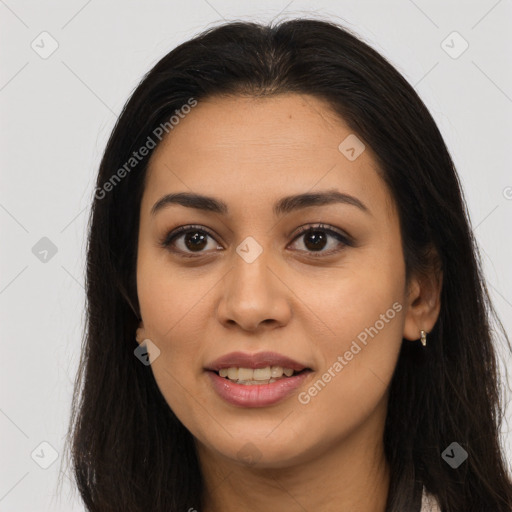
[[256, 389], [258, 376], [258, 379]]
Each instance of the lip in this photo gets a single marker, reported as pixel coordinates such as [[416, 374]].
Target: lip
[[254, 361], [256, 395]]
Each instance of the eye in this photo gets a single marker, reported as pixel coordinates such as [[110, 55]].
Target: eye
[[191, 239], [316, 238], [187, 240]]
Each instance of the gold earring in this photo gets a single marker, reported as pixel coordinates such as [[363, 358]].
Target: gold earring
[[423, 335]]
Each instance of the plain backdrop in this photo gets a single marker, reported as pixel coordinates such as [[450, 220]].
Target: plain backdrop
[[58, 110]]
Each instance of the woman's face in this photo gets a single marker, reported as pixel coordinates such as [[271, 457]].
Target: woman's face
[[244, 279]]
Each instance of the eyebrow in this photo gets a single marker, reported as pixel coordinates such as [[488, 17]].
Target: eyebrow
[[284, 206]]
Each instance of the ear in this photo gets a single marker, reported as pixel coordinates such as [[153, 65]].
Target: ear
[[140, 335], [423, 302]]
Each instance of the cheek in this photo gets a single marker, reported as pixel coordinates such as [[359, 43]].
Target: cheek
[[170, 298], [358, 297], [357, 370], [365, 314], [171, 307]]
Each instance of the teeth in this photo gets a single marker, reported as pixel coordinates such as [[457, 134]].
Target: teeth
[[276, 371], [232, 373], [245, 374], [258, 375]]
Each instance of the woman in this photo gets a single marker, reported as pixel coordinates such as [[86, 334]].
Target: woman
[[286, 307]]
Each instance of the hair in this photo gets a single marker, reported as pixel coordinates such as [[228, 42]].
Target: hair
[[129, 451]]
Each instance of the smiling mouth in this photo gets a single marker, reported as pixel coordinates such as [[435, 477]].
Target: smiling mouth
[[259, 376]]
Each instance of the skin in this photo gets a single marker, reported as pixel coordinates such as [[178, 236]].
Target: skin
[[326, 455]]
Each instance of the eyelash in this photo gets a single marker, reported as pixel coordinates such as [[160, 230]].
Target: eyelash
[[345, 240]]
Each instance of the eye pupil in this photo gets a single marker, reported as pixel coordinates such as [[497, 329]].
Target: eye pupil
[[198, 240], [319, 240]]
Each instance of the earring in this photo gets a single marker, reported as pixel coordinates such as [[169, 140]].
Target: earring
[[423, 335]]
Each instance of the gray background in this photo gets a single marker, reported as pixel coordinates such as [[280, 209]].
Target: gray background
[[57, 112]]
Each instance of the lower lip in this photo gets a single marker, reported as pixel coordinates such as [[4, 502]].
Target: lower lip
[[256, 395]]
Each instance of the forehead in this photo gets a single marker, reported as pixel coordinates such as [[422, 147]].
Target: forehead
[[247, 148]]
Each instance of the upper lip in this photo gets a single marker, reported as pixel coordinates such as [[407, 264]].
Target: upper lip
[[258, 360]]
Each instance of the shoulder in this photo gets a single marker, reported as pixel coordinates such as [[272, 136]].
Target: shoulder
[[429, 503]]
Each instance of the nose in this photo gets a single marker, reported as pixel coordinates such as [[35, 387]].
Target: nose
[[254, 295]]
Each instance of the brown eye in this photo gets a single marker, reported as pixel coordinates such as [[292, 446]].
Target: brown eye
[[195, 240], [316, 238], [188, 240]]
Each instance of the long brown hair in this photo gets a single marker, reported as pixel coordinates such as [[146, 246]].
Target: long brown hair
[[129, 451]]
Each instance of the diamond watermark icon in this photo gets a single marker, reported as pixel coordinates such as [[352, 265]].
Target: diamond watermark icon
[[454, 455], [147, 352], [249, 249], [44, 250], [351, 147], [44, 455], [44, 45], [454, 45], [248, 454]]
